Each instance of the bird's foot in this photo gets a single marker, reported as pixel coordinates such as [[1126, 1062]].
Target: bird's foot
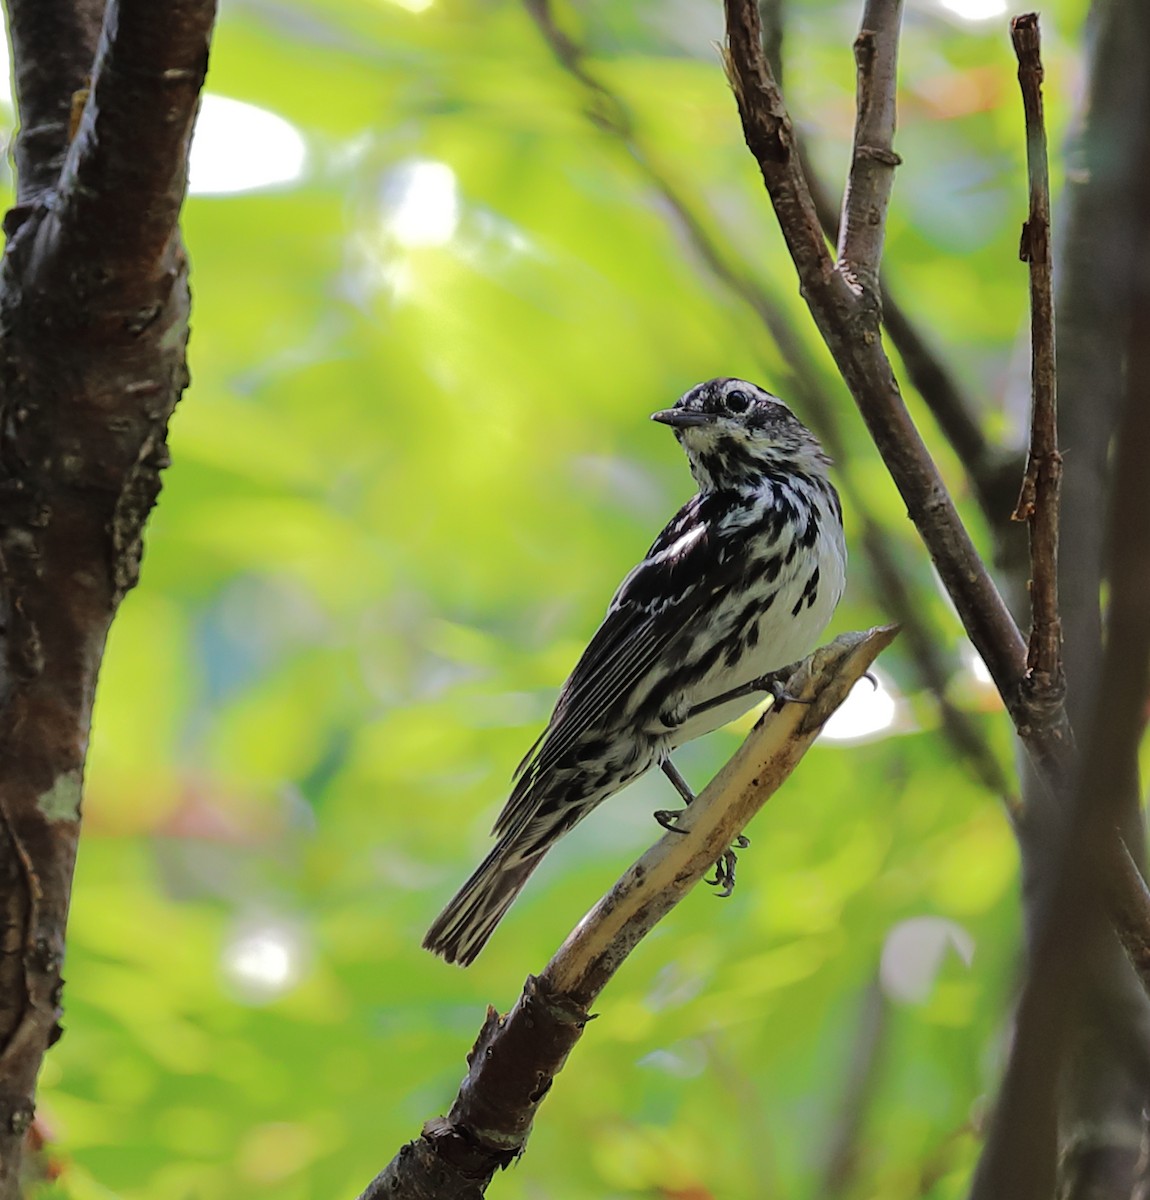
[[725, 873], [775, 685], [669, 819]]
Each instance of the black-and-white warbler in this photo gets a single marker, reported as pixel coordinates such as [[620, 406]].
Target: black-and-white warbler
[[740, 584]]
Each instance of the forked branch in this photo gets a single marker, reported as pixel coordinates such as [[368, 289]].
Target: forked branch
[[849, 327], [606, 109], [53, 45], [124, 177]]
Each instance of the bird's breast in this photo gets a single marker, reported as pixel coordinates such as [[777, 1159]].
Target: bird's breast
[[773, 616]]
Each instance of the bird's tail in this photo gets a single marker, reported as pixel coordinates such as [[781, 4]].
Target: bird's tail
[[462, 929]]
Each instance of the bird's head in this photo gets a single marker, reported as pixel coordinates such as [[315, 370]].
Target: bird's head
[[734, 432]]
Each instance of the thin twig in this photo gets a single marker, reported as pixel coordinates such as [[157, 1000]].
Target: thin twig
[[873, 159], [516, 1058], [1038, 501]]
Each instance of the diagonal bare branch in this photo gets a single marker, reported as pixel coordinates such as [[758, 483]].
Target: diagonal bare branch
[[672, 867], [516, 1058]]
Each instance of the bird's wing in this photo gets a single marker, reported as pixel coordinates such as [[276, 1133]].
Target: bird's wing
[[655, 604]]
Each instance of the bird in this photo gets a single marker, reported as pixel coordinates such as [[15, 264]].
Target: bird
[[739, 585]]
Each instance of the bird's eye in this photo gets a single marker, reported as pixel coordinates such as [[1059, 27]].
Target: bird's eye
[[738, 401]]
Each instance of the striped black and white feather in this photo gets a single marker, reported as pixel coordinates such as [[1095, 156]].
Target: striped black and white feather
[[740, 583]]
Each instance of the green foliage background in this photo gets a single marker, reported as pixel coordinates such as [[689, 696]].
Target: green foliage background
[[406, 482]]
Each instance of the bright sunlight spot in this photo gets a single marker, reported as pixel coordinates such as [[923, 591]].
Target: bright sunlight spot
[[413, 6], [913, 954], [262, 962], [977, 667], [238, 147], [866, 713], [975, 10], [423, 204]]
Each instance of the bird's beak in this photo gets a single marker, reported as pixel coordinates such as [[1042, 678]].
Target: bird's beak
[[682, 418]]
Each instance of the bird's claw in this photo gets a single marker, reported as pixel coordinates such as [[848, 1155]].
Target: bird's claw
[[669, 819], [725, 874], [776, 689]]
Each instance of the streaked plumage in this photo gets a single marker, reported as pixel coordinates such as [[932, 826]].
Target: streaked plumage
[[741, 582]]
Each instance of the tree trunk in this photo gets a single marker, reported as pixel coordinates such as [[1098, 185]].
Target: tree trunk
[[93, 327]]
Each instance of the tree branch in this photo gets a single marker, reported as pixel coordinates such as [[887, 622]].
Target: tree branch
[[1103, 1090], [1092, 864], [850, 329], [125, 173], [1038, 501], [609, 112], [1021, 1150], [1103, 221], [992, 470], [516, 1057], [873, 160], [53, 46]]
